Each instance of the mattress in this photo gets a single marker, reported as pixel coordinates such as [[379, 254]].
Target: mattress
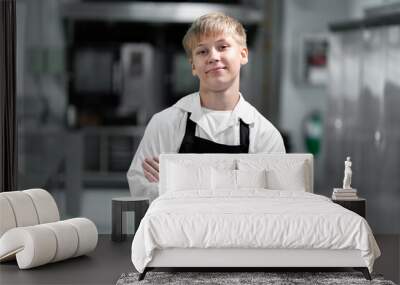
[[252, 219]]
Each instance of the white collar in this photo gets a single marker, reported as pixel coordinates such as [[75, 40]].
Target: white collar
[[191, 103]]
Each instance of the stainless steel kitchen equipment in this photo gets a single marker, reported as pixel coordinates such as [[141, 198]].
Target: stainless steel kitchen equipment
[[363, 119]]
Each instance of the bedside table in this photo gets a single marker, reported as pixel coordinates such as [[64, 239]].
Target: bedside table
[[358, 206], [120, 205]]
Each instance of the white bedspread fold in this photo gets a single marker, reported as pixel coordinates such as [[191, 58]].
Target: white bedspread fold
[[252, 218]]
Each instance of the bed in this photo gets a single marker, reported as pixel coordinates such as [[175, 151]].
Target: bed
[[245, 211]]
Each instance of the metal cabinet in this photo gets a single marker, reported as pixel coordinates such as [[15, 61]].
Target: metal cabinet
[[363, 120], [98, 158]]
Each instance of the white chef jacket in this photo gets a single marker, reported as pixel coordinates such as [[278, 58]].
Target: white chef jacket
[[166, 129]]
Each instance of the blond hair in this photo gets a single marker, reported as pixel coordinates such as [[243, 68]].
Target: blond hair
[[213, 24]]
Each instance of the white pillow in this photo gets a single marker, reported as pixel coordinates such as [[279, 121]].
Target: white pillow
[[223, 179], [251, 178], [291, 177], [181, 177], [227, 179], [282, 174]]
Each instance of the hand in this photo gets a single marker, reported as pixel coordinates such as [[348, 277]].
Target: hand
[[151, 169]]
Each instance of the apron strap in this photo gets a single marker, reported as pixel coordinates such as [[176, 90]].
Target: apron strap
[[244, 134], [190, 126]]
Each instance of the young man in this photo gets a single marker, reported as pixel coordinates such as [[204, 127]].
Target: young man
[[217, 119]]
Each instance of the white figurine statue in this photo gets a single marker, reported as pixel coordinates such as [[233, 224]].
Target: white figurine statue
[[347, 174]]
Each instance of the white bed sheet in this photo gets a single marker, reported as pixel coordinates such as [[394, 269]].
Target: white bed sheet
[[251, 218]]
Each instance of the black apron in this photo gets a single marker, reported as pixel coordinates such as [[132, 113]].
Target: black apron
[[193, 144]]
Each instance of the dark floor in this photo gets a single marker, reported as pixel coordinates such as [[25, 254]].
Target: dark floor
[[103, 266], [111, 259]]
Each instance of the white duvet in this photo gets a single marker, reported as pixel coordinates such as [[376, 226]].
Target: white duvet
[[253, 218]]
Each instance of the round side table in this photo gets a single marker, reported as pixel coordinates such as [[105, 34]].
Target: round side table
[[120, 205]]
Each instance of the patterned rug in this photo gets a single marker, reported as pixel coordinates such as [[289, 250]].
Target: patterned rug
[[243, 278]]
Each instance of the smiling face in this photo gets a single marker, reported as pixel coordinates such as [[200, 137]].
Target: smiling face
[[216, 60]]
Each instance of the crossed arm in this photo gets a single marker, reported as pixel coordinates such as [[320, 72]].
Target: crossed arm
[[151, 169]]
